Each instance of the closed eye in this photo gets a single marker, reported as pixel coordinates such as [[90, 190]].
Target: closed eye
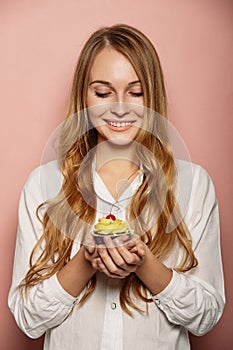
[[136, 94], [102, 95]]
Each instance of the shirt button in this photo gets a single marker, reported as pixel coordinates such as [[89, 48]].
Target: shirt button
[[157, 302], [113, 306]]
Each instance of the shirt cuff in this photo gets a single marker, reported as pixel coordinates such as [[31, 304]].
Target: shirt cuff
[[57, 291], [168, 290]]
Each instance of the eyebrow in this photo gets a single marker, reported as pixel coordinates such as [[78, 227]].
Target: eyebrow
[[109, 84]]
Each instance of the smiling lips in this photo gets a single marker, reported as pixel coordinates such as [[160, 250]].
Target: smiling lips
[[119, 126]]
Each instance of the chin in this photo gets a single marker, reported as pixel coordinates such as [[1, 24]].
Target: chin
[[120, 142], [116, 138]]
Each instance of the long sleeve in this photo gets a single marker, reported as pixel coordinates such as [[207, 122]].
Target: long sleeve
[[195, 299], [47, 303]]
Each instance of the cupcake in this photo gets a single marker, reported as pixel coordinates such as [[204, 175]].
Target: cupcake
[[110, 226]]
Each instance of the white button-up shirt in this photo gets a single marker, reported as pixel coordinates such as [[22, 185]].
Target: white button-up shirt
[[192, 301]]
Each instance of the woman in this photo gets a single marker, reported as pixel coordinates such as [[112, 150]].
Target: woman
[[114, 159]]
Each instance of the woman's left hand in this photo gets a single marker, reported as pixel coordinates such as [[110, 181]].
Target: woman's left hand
[[117, 259]]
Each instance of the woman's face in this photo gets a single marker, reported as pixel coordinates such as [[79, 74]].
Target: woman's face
[[114, 98]]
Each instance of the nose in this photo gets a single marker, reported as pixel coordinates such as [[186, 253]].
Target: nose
[[120, 109]]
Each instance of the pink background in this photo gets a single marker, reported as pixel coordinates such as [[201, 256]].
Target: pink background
[[40, 41]]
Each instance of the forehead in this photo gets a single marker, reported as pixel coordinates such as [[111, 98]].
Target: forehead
[[111, 64]]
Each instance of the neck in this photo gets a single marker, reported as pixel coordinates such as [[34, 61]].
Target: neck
[[116, 156], [117, 166]]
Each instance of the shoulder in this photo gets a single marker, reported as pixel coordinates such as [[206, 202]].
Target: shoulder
[[195, 190], [45, 180], [193, 175], [184, 167]]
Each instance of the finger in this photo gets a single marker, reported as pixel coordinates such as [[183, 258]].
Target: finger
[[139, 247], [135, 238], [131, 246], [122, 239], [107, 260], [88, 256], [91, 256], [102, 268], [114, 249], [95, 263], [90, 249], [141, 251], [89, 243], [128, 256], [110, 267]]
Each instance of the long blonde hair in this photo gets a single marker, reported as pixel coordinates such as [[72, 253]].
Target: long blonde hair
[[78, 139]]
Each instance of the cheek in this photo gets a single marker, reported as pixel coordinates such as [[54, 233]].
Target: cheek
[[93, 100], [94, 114], [97, 111], [90, 100], [92, 118]]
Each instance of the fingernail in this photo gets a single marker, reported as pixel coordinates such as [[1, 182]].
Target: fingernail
[[133, 250], [130, 244]]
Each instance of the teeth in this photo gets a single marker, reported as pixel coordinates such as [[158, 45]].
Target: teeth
[[118, 125]]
